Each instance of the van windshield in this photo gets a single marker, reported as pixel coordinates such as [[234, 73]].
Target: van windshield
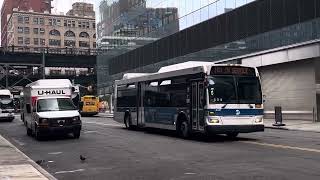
[[59, 104]]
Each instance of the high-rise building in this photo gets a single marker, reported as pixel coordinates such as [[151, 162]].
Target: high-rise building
[[34, 30], [81, 9], [22, 5]]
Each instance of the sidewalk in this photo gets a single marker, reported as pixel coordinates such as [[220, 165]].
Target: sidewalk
[[294, 125], [16, 165]]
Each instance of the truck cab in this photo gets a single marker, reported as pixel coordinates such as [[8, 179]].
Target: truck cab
[[49, 109]]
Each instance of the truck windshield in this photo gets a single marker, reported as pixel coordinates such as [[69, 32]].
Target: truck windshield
[[234, 90], [6, 103], [59, 104]]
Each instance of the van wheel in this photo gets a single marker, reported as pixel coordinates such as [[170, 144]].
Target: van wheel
[[183, 129], [76, 134], [232, 135]]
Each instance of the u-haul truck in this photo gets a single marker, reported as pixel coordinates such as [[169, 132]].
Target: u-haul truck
[[48, 108]]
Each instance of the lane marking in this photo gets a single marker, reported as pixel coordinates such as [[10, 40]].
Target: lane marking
[[73, 171], [189, 173], [18, 142], [104, 124], [283, 146], [87, 132], [50, 161], [55, 153]]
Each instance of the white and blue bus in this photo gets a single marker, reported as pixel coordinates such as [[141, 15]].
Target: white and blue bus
[[192, 97]]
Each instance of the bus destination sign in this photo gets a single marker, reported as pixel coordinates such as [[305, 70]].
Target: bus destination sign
[[233, 70]]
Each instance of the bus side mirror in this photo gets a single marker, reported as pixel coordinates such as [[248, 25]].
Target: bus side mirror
[[28, 107], [264, 98]]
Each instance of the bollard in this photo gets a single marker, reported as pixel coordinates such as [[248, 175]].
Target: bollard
[[278, 116]]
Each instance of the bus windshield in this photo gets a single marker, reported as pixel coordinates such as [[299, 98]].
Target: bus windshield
[[234, 90], [59, 104]]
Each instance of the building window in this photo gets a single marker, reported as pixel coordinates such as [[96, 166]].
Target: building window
[[84, 44], [65, 23], [69, 34], [26, 20], [79, 24], [73, 23], [27, 41], [54, 42], [35, 20], [20, 30], [84, 35], [36, 41], [94, 36], [41, 20], [58, 22], [42, 31], [20, 40], [54, 32], [35, 30], [20, 19], [42, 42], [50, 22], [26, 30], [94, 45], [69, 43], [94, 25]]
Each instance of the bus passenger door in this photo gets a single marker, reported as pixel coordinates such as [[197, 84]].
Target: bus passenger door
[[197, 104], [140, 107]]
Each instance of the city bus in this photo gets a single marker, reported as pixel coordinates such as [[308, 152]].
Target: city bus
[[89, 105], [192, 97]]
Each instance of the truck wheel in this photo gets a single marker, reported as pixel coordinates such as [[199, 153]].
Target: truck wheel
[[76, 134], [29, 131], [232, 135], [37, 134]]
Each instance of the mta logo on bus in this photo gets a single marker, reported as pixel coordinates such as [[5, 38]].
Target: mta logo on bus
[[238, 112], [51, 92]]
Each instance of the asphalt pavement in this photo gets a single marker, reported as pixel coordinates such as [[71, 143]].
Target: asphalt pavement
[[115, 153]]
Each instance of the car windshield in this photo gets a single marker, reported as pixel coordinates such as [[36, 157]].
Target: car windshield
[[55, 104], [234, 90]]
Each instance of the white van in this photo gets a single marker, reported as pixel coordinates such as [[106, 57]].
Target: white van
[[48, 108], [6, 105]]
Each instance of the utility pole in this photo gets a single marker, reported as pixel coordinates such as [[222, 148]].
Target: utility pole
[[43, 65]]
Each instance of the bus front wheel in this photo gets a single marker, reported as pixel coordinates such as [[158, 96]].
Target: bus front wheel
[[183, 129]]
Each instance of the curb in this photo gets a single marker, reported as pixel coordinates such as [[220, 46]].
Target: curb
[[34, 164], [278, 128]]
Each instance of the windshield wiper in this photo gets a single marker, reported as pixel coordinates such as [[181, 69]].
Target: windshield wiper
[[224, 106]]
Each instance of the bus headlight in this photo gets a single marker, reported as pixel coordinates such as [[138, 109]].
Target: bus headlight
[[258, 120], [213, 120]]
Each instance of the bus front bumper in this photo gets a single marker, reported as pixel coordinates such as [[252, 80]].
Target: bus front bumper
[[225, 129]]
